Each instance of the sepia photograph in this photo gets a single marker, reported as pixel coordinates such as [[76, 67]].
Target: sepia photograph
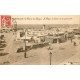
[[39, 40]]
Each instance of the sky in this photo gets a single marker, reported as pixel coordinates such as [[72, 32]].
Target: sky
[[38, 19]]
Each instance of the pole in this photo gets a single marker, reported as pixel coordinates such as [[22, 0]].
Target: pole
[[50, 57], [25, 55]]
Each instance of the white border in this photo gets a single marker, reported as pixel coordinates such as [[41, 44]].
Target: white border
[[39, 7]]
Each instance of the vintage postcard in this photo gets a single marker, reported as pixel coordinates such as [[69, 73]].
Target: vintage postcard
[[39, 40]]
